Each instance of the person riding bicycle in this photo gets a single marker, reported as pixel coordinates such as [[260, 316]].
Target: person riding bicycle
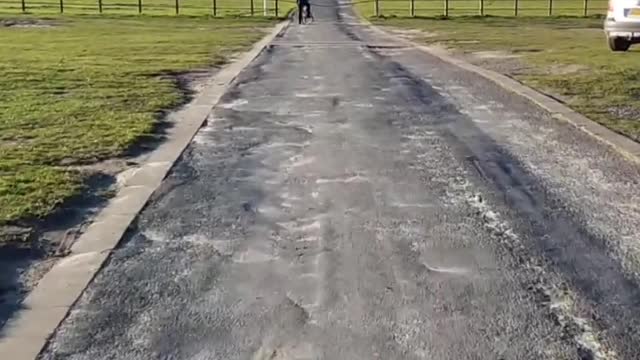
[[304, 8]]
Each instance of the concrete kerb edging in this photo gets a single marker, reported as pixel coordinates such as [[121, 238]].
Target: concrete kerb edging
[[25, 335], [620, 143]]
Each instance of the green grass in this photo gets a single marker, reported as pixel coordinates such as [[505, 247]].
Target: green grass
[[391, 8], [149, 7], [567, 57], [88, 88]]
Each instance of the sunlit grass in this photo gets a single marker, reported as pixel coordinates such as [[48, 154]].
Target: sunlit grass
[[87, 88]]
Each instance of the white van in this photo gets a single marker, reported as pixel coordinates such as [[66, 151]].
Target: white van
[[622, 24]]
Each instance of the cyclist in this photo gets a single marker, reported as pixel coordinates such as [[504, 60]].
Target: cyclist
[[304, 9]]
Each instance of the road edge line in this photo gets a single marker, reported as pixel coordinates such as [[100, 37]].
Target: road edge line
[[623, 145], [28, 331]]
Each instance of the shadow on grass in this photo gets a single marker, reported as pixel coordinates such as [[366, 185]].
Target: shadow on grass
[[29, 247]]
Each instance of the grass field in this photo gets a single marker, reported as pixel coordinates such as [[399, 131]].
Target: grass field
[[75, 90], [149, 7], [430, 8], [566, 57]]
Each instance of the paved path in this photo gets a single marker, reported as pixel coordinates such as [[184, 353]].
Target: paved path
[[352, 199]]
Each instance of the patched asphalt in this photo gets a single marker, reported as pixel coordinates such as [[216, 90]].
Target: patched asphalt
[[351, 198]]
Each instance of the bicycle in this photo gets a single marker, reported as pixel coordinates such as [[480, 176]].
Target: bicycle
[[304, 12]]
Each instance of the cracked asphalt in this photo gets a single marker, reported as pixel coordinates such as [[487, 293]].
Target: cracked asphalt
[[355, 199]]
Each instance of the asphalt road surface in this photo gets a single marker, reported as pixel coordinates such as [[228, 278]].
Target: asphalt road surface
[[354, 199]]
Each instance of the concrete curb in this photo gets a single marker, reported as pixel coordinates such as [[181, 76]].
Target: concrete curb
[[26, 334], [620, 143]]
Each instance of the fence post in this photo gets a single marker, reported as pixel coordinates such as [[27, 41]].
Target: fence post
[[446, 8], [515, 7], [215, 8], [276, 6], [100, 6], [251, 6], [586, 8], [376, 8], [481, 7], [550, 7], [24, 6], [139, 6], [177, 7], [61, 6], [412, 8]]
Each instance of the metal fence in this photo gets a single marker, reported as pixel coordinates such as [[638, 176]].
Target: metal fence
[[267, 8], [411, 8]]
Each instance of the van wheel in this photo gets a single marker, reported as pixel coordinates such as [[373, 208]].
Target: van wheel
[[618, 44]]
